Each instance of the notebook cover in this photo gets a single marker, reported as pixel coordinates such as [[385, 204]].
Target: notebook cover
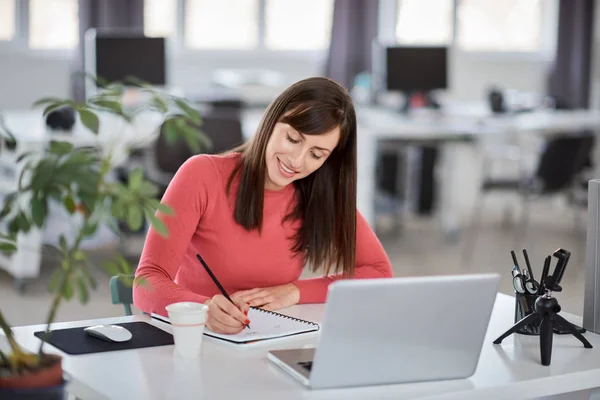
[[75, 341]]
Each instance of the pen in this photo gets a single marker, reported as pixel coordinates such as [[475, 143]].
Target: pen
[[515, 262], [216, 281], [528, 263]]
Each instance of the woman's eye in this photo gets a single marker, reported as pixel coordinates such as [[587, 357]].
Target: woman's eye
[[316, 157], [292, 140]]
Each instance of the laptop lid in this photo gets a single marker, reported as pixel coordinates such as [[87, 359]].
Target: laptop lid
[[397, 330]]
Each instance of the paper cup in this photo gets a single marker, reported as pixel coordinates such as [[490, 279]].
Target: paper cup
[[187, 324]]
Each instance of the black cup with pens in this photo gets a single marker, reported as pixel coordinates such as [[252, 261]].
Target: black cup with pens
[[527, 290], [536, 310]]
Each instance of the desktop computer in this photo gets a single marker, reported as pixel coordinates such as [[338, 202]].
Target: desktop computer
[[416, 72]]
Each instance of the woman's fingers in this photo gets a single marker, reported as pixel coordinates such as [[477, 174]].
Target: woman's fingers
[[230, 310]]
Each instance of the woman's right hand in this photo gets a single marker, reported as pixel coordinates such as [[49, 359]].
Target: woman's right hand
[[226, 317]]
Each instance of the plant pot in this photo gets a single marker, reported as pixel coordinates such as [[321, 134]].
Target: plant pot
[[46, 384]]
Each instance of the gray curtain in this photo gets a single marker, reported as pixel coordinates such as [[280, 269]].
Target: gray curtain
[[569, 79], [103, 14], [354, 29]]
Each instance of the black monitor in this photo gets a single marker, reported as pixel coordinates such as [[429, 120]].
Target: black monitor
[[416, 69], [118, 57]]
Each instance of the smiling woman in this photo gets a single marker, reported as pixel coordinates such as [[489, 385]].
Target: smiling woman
[[262, 212]]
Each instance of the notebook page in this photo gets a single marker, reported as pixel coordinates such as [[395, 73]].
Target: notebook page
[[263, 325], [267, 325]]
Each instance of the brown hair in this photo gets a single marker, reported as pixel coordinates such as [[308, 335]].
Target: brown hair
[[326, 199]]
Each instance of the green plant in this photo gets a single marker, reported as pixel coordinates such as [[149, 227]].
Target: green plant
[[78, 179]]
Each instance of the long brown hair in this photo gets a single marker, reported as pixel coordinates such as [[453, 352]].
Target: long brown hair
[[326, 199]]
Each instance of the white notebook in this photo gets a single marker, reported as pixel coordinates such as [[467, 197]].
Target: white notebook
[[263, 325]]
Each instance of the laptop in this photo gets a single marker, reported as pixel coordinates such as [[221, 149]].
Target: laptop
[[396, 330]]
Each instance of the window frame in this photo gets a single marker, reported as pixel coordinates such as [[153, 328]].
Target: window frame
[[178, 46], [548, 28], [20, 42]]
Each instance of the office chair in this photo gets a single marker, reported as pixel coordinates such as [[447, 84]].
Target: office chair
[[121, 293], [559, 165]]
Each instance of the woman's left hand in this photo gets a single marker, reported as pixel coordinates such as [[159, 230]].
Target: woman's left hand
[[270, 298]]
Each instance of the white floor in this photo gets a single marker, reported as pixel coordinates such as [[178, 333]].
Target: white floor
[[419, 249]]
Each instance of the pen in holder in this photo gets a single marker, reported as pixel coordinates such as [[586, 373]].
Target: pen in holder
[[524, 306]]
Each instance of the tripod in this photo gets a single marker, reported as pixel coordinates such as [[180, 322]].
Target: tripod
[[546, 311]]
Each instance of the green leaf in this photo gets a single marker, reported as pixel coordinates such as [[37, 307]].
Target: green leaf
[[192, 138], [89, 119], [39, 210], [160, 104], [7, 247], [82, 290], [135, 179], [126, 267], [62, 243], [171, 131], [165, 209], [25, 155], [68, 289], [69, 204], [55, 279], [111, 105], [158, 225], [60, 147], [148, 189], [135, 218], [86, 274], [111, 268], [90, 229], [49, 100], [23, 221], [42, 174], [51, 108], [190, 112]]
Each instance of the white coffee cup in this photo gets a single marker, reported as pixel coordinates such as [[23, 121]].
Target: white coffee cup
[[187, 324]]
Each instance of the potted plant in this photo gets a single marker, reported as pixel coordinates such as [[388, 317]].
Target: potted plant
[[78, 180]]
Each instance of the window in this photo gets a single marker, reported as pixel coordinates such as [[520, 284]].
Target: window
[[160, 18], [424, 22], [223, 24], [7, 19], [492, 25], [287, 22], [53, 24]]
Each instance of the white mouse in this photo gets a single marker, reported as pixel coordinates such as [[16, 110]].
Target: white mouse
[[110, 333]]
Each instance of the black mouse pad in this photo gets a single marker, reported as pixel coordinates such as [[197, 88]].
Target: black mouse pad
[[75, 341]]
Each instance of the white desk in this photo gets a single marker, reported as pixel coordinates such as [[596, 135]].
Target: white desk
[[508, 371]]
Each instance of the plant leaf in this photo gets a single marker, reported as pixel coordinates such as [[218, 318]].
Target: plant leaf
[[190, 112], [171, 131], [148, 189], [60, 147], [135, 179], [111, 268], [39, 210], [165, 209], [135, 218], [49, 100], [51, 108], [69, 204], [7, 248], [55, 279], [158, 225], [68, 289], [91, 280], [62, 243], [89, 119], [82, 290]]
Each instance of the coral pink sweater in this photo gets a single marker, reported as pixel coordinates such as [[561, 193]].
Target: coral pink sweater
[[203, 223]]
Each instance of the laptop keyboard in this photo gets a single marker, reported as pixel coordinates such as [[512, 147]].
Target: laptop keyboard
[[306, 364]]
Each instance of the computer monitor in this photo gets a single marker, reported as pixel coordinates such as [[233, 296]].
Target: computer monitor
[[116, 54], [591, 300], [416, 69]]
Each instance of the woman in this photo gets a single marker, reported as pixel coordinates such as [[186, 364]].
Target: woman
[[259, 214]]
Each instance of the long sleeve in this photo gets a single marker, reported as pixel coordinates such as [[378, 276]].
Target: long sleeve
[[187, 195], [371, 262]]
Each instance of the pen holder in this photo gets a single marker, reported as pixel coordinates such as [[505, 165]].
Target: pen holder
[[524, 306]]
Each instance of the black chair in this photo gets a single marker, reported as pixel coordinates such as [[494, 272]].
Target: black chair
[[562, 159]]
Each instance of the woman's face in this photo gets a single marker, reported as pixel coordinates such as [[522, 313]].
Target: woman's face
[[292, 155]]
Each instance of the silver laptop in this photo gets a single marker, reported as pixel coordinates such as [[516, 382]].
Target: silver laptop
[[396, 330]]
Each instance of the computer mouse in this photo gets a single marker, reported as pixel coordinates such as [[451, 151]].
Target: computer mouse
[[110, 333]]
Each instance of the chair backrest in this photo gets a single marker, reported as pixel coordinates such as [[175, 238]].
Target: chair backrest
[[223, 129], [561, 160], [121, 293]]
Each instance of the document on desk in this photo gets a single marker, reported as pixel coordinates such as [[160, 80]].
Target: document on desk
[[264, 325]]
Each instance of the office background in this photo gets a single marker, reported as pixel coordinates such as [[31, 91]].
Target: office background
[[537, 53]]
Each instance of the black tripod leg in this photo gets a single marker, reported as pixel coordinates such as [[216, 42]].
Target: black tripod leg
[[546, 335], [567, 325], [527, 320]]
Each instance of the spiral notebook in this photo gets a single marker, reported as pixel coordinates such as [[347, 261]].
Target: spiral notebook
[[264, 325]]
